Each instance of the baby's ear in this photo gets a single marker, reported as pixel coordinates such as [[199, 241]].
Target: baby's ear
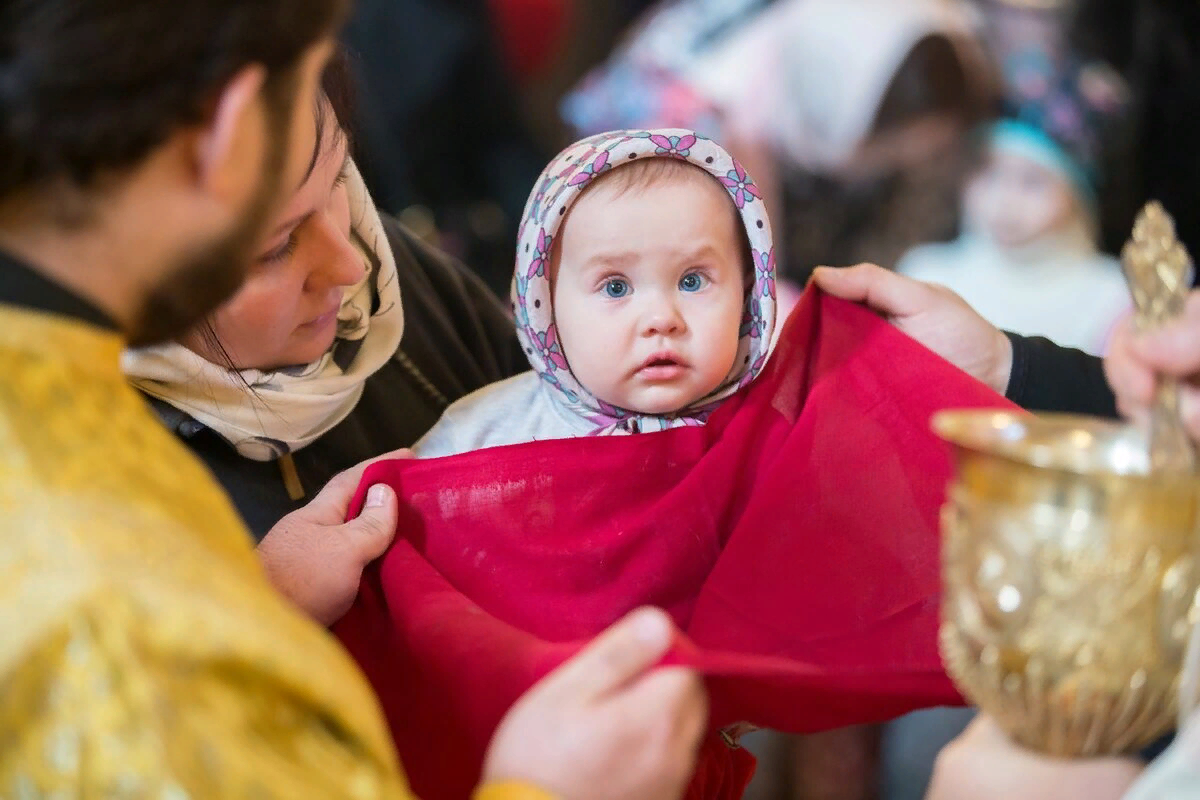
[[555, 259]]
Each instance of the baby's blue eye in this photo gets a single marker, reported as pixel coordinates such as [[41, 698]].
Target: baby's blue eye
[[617, 287], [692, 282]]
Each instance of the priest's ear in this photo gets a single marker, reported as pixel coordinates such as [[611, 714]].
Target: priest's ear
[[228, 148]]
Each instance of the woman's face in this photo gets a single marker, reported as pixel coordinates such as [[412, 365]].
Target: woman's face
[[286, 312]]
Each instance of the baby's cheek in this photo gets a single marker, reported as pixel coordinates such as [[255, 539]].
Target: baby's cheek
[[722, 360]]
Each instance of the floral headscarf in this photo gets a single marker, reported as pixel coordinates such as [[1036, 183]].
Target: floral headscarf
[[559, 186]]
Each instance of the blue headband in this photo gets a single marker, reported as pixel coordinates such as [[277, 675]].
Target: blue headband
[[1038, 146]]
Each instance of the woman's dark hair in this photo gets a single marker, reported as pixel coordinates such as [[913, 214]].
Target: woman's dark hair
[[933, 79], [89, 87], [337, 87]]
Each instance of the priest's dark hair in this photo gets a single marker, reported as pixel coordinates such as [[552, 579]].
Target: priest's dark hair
[[89, 88]]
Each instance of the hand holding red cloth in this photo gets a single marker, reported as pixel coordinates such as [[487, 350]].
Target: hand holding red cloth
[[793, 538]]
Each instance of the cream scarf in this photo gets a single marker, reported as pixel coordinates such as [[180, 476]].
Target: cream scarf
[[265, 415]]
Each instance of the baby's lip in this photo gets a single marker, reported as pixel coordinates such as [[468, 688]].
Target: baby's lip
[[663, 358]]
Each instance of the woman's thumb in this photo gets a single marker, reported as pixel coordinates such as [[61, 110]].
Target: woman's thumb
[[373, 530]]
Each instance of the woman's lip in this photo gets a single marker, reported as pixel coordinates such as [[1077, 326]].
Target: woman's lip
[[321, 321]]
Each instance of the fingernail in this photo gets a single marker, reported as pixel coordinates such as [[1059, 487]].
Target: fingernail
[[377, 496], [651, 626]]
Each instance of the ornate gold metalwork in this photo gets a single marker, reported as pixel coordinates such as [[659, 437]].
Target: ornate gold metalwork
[[1071, 579], [1159, 273]]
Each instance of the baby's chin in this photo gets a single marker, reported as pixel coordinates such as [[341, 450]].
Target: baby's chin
[[663, 405]]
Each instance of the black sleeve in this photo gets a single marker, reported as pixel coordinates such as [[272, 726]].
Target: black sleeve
[[456, 330], [1155, 749], [1048, 377]]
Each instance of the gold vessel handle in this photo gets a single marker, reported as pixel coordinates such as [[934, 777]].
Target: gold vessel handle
[[1159, 272]]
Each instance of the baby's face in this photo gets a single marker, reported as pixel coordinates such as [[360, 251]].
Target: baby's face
[[649, 290], [1016, 200]]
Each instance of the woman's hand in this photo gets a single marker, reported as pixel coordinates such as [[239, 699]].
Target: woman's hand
[[1135, 359], [933, 315], [982, 764], [605, 725], [316, 559]]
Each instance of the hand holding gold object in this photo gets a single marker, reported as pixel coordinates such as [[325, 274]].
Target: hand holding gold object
[[1071, 554], [1159, 271]]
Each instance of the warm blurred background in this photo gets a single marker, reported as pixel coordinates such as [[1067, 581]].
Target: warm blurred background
[[1000, 147]]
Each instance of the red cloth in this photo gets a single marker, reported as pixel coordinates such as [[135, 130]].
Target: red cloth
[[793, 538]]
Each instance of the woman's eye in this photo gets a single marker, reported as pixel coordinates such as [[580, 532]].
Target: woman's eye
[[617, 287], [692, 282], [281, 253]]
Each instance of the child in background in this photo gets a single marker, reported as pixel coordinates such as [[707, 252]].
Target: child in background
[[1027, 259], [644, 295]]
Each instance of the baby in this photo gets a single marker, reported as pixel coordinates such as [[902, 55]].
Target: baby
[[644, 295]]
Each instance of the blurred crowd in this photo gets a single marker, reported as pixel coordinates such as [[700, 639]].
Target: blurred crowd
[[998, 147]]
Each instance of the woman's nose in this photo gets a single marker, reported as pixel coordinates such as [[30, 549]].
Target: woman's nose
[[339, 262]]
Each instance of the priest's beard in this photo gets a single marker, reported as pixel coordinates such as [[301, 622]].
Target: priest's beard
[[199, 282]]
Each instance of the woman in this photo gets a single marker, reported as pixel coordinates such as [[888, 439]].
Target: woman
[[304, 372]]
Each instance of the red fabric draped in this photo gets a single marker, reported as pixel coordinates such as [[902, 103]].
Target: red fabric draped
[[793, 538]]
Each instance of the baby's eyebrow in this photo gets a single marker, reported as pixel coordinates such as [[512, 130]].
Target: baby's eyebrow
[[612, 260], [705, 249]]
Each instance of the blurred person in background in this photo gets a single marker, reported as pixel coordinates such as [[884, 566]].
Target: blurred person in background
[[442, 139], [1027, 258], [859, 111], [852, 114]]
